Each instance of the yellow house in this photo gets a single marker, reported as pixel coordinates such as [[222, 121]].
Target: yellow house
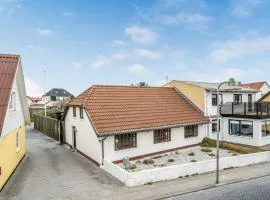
[[265, 98], [14, 115]]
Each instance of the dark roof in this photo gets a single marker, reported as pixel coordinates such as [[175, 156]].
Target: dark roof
[[120, 109], [58, 92], [8, 68]]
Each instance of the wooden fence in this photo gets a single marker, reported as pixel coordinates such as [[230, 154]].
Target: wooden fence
[[49, 126]]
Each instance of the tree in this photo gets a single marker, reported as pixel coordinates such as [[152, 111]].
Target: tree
[[140, 84]]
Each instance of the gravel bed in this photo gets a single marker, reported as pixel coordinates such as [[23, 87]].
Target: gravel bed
[[188, 155]]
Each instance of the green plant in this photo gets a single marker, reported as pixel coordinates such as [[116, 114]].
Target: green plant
[[158, 156], [206, 149], [176, 152], [193, 160], [170, 160], [138, 162], [132, 166], [148, 161], [191, 154], [206, 142], [211, 154]]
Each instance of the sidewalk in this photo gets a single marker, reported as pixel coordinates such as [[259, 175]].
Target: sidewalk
[[190, 184]]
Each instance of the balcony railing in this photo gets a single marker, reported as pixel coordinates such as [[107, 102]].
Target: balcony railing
[[245, 109]]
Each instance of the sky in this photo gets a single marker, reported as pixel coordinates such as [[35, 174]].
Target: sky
[[119, 42]]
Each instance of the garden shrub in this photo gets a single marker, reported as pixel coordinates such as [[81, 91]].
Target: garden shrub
[[206, 149], [170, 160], [148, 161]]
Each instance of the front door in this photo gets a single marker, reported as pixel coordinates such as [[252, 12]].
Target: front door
[[249, 102]]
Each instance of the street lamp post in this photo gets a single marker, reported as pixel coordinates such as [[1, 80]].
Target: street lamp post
[[231, 82]]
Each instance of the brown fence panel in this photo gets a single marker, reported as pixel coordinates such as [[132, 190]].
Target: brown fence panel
[[48, 126]]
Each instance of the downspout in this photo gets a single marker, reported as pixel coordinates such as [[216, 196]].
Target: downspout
[[102, 148]]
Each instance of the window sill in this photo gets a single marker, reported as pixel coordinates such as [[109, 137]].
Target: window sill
[[240, 136], [266, 137], [131, 148]]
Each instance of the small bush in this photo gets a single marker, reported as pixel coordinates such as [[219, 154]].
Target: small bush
[[132, 166], [206, 149], [191, 154], [171, 160], [211, 154], [138, 162], [158, 156], [161, 165], [193, 160], [176, 152], [148, 161], [206, 142]]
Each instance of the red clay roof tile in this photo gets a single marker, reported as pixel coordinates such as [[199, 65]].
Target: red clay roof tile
[[8, 67], [254, 85], [115, 109]]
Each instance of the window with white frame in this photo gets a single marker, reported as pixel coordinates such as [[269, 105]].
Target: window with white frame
[[162, 135], [266, 128], [241, 128], [191, 131], [12, 102], [214, 99], [215, 126]]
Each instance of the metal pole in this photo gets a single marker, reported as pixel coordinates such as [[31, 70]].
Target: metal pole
[[218, 132], [218, 125]]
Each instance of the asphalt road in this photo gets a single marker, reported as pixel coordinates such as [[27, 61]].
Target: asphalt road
[[255, 189], [53, 172]]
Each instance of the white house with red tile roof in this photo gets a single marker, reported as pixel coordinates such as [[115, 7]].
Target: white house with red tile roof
[[262, 87], [115, 122]]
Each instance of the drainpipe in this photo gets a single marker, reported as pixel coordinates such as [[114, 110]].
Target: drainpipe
[[102, 147]]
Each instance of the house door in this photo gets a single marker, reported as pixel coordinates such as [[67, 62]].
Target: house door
[[74, 131], [249, 102]]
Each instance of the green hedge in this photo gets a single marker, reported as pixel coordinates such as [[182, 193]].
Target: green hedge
[[206, 142]]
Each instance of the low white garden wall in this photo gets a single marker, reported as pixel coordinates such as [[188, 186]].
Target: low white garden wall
[[175, 171]]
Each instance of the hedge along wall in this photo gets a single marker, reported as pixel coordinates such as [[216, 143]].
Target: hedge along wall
[[176, 171]]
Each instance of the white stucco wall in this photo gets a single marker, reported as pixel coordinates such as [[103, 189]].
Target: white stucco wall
[[145, 143], [86, 140], [175, 171], [13, 118]]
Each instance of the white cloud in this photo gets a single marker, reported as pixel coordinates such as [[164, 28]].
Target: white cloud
[[32, 88], [148, 54], [44, 31], [101, 62], [226, 51], [76, 65], [136, 69], [67, 13], [194, 20], [120, 56], [141, 35], [119, 43], [244, 8]]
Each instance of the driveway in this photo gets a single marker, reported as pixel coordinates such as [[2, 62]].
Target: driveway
[[51, 171]]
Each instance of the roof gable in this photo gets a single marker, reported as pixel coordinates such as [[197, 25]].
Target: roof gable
[[115, 109], [8, 68], [254, 85]]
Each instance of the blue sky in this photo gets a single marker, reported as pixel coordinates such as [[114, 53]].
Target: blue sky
[[80, 43]]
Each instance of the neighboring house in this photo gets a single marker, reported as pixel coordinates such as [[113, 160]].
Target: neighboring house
[[246, 124], [57, 94], [14, 115], [204, 96], [33, 100], [262, 88], [115, 122], [265, 98]]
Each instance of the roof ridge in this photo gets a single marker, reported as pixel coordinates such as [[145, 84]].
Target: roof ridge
[[127, 86]]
